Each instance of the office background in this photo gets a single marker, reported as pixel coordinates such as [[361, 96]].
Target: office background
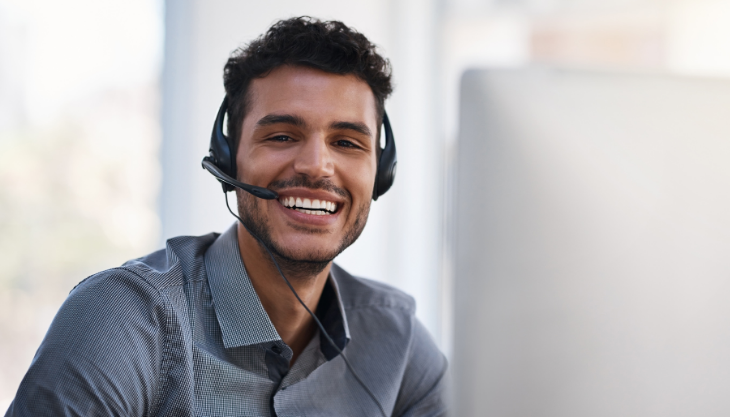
[[106, 109]]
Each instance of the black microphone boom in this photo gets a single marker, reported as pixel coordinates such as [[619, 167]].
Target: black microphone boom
[[259, 192]]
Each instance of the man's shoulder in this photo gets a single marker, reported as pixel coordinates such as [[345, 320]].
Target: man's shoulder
[[358, 292], [182, 260]]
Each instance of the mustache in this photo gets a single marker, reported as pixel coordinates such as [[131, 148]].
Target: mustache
[[324, 184]]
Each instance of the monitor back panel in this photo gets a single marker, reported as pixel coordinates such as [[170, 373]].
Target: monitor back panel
[[592, 245]]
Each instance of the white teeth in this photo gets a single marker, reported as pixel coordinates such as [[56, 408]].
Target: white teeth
[[309, 206]]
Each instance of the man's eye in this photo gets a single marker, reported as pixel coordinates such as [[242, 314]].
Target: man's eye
[[280, 138], [345, 144]]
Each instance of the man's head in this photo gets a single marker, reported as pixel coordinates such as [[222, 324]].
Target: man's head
[[306, 107], [328, 46]]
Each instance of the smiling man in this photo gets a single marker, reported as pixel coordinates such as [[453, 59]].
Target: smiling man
[[258, 321]]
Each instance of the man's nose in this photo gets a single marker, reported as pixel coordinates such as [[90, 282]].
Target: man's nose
[[315, 159]]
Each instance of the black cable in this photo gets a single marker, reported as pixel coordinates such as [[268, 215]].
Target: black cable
[[316, 320]]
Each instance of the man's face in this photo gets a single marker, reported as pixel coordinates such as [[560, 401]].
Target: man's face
[[310, 136]]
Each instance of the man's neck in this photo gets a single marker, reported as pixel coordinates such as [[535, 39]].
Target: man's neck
[[295, 326]]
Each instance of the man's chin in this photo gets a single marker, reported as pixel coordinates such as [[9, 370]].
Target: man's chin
[[307, 249], [305, 255], [300, 263]]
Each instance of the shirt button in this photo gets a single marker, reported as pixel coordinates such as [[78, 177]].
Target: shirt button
[[276, 349]]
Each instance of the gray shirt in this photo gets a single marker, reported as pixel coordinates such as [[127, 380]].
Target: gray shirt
[[181, 332]]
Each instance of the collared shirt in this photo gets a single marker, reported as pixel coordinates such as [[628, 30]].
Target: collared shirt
[[182, 332]]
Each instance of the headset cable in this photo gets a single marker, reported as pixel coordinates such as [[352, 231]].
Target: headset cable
[[314, 316]]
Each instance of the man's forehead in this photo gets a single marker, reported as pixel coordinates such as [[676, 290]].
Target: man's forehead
[[301, 76], [306, 92]]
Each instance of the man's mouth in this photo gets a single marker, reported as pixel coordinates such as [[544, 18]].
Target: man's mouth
[[309, 206]]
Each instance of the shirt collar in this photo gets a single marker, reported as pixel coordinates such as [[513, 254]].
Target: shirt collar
[[331, 313], [242, 318]]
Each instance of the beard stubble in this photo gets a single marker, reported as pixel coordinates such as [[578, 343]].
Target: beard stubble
[[302, 265]]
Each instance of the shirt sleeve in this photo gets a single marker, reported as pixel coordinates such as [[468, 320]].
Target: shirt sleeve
[[101, 355], [423, 388]]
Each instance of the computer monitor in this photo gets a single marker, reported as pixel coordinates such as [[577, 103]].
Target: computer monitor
[[592, 245]]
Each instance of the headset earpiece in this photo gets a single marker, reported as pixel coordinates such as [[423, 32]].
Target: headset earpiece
[[386, 163], [222, 150]]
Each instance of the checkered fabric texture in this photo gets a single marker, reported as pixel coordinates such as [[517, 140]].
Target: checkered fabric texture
[[181, 332]]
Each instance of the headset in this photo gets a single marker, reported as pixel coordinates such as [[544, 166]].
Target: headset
[[221, 160], [221, 163]]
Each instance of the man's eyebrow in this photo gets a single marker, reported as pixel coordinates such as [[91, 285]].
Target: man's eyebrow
[[272, 119], [356, 126]]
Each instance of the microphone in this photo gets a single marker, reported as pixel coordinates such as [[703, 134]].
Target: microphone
[[260, 192]]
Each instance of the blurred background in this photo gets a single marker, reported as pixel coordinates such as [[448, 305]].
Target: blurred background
[[106, 109]]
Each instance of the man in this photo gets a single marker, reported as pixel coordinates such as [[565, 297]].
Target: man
[[209, 326]]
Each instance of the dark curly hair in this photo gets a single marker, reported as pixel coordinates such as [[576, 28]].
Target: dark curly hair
[[328, 46]]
